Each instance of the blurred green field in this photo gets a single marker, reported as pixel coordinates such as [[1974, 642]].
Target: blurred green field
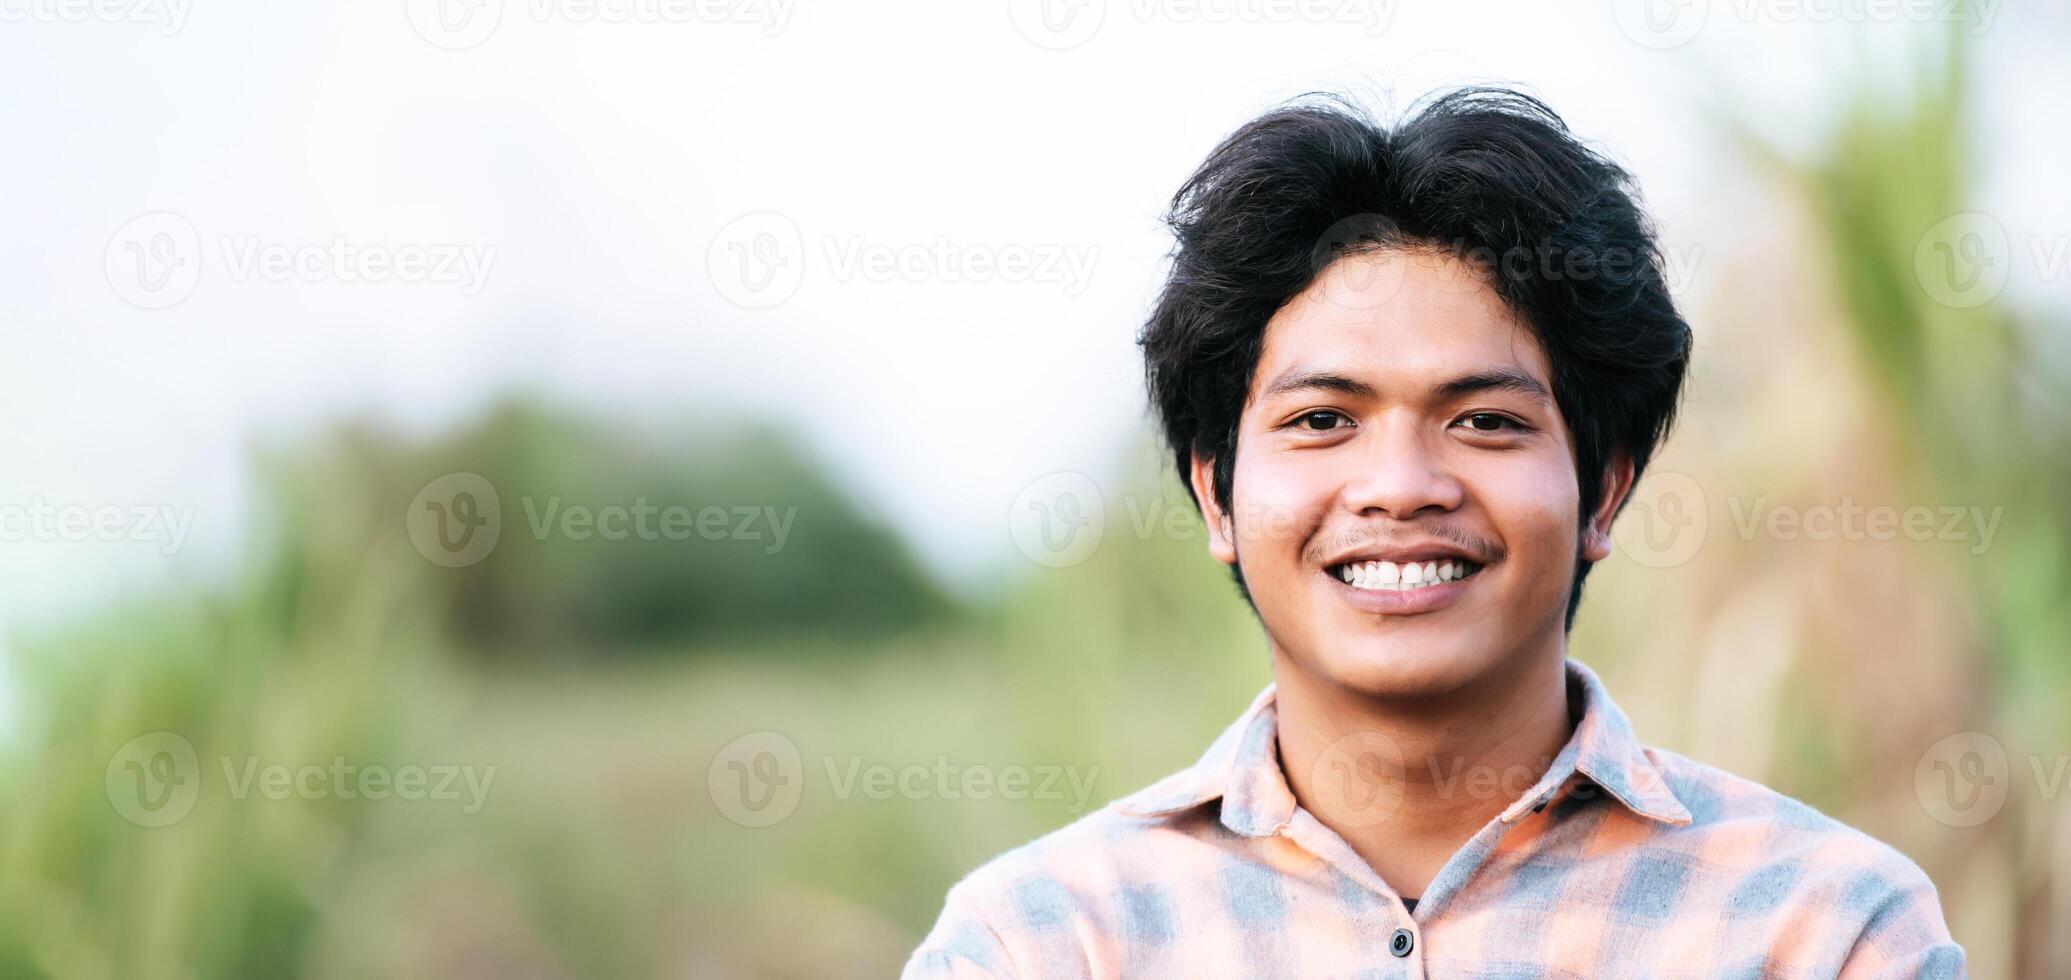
[[598, 849]]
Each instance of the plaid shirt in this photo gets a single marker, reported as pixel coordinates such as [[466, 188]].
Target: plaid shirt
[[1621, 860]]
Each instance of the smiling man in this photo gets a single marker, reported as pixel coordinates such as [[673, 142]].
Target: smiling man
[[1410, 376]]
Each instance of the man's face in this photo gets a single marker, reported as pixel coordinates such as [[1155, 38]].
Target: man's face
[[1401, 421]]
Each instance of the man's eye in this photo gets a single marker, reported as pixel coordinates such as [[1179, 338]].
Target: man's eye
[[1322, 420], [1491, 422]]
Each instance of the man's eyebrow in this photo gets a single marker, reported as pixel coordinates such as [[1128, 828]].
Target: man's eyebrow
[[1500, 379], [1293, 381], [1496, 380]]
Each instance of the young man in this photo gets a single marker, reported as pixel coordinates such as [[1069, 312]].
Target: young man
[[1410, 376]]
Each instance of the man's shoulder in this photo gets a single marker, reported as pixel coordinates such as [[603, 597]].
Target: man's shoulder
[[1781, 842], [1089, 877], [1097, 854]]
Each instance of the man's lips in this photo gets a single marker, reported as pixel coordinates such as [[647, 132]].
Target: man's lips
[[1402, 588]]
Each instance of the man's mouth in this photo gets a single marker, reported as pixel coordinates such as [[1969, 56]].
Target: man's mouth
[[1408, 576]]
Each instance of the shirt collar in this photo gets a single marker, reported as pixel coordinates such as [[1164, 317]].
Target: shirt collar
[[1242, 768]]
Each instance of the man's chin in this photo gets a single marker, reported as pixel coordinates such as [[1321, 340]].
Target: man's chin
[[1401, 668]]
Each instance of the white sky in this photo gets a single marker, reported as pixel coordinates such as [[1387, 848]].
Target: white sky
[[600, 160]]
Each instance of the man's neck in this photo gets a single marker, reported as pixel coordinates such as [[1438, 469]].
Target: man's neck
[[1406, 783]]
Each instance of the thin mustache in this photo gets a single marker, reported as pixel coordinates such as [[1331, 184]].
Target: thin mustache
[[1479, 550]]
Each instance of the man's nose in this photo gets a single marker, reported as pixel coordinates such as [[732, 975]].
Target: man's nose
[[1402, 469]]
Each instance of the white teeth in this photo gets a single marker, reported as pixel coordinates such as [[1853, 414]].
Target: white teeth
[[1390, 577]]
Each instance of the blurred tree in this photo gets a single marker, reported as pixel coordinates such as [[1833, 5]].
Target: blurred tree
[[614, 541]]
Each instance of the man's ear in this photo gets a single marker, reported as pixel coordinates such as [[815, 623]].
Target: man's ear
[[1618, 479], [1222, 536]]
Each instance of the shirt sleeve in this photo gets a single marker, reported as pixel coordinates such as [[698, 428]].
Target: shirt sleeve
[[1905, 935]]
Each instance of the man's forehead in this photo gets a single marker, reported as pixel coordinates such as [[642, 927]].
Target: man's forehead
[[1396, 356], [1405, 314]]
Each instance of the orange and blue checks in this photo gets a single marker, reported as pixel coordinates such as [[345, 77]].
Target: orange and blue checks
[[1620, 861]]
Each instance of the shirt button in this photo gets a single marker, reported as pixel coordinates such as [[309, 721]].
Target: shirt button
[[1402, 942]]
